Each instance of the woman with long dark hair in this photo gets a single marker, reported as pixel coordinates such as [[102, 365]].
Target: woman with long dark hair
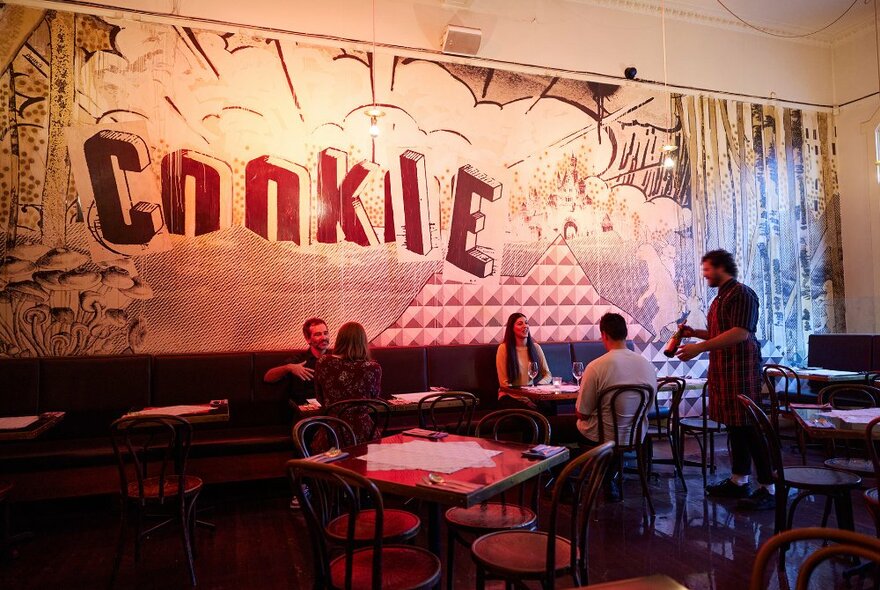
[[515, 355]]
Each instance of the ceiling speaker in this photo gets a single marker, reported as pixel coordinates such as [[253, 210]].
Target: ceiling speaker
[[461, 40]]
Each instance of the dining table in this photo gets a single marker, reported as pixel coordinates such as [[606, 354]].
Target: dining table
[[825, 422], [472, 470], [821, 375], [14, 428], [214, 411], [654, 582], [21, 428], [398, 403]]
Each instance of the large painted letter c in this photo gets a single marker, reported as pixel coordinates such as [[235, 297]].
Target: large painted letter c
[[110, 187]]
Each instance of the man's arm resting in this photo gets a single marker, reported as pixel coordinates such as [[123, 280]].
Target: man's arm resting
[[299, 370]]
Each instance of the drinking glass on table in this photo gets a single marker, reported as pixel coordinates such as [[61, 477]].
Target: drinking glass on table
[[533, 372], [577, 370]]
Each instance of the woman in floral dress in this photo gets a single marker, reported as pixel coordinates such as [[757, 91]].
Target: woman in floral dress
[[348, 373]]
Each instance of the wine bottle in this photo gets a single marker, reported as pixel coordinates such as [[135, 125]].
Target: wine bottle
[[673, 344]]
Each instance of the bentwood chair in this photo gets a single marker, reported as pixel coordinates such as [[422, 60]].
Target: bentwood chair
[[629, 434], [676, 387], [377, 410], [152, 453], [835, 485], [872, 498], [531, 428], [703, 429], [520, 555], [317, 433], [844, 544], [779, 381], [327, 493], [449, 411], [658, 416], [848, 396]]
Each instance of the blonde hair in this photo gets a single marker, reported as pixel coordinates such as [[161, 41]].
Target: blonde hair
[[351, 342]]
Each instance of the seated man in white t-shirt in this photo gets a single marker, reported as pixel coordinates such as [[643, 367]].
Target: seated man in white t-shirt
[[618, 366]]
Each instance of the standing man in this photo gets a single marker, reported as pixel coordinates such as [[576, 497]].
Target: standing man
[[299, 370], [734, 369]]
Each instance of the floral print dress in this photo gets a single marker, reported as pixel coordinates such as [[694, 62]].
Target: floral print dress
[[337, 379]]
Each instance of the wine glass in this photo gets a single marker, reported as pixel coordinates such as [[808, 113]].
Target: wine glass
[[533, 371], [577, 370]]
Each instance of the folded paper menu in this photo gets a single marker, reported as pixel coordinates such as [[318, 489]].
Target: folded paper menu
[[328, 458], [423, 433], [17, 422], [543, 451]]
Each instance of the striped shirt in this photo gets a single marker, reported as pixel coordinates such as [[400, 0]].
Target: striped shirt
[[737, 369]]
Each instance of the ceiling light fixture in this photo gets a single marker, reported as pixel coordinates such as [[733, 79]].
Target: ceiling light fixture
[[374, 112], [669, 148]]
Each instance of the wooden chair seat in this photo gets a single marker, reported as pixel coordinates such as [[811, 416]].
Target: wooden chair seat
[[820, 478], [491, 516], [519, 552], [696, 423], [398, 526], [191, 485], [403, 568]]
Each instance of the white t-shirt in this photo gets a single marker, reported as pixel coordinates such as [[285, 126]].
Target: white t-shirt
[[619, 366]]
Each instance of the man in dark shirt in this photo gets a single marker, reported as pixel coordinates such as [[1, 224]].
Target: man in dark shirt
[[734, 369], [299, 369]]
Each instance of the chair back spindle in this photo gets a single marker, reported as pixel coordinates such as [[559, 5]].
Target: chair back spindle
[[450, 411]]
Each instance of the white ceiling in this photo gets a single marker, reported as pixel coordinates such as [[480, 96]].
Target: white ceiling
[[791, 17]]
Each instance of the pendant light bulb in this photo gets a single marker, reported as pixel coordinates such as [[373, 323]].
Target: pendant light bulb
[[374, 127], [668, 162]]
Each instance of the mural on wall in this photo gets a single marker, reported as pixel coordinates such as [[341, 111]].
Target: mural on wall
[[167, 189]]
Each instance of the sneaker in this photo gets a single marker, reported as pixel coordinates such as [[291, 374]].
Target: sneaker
[[727, 489], [760, 499]]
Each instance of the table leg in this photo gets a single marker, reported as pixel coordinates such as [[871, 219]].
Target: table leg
[[434, 528]]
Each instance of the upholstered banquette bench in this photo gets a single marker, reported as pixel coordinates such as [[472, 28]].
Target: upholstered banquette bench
[[76, 458]]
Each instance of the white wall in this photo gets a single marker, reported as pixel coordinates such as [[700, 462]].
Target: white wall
[[855, 75], [561, 34]]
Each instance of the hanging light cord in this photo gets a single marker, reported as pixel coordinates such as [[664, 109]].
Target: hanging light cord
[[665, 70], [373, 73], [877, 42], [785, 36]]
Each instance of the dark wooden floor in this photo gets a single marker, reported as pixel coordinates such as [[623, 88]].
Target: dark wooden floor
[[261, 543]]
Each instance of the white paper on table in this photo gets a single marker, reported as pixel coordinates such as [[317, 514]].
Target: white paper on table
[[564, 388], [829, 373], [446, 457], [172, 411], [17, 422], [414, 398], [859, 416]]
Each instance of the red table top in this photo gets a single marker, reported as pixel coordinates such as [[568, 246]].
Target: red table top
[[655, 582], [511, 469]]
